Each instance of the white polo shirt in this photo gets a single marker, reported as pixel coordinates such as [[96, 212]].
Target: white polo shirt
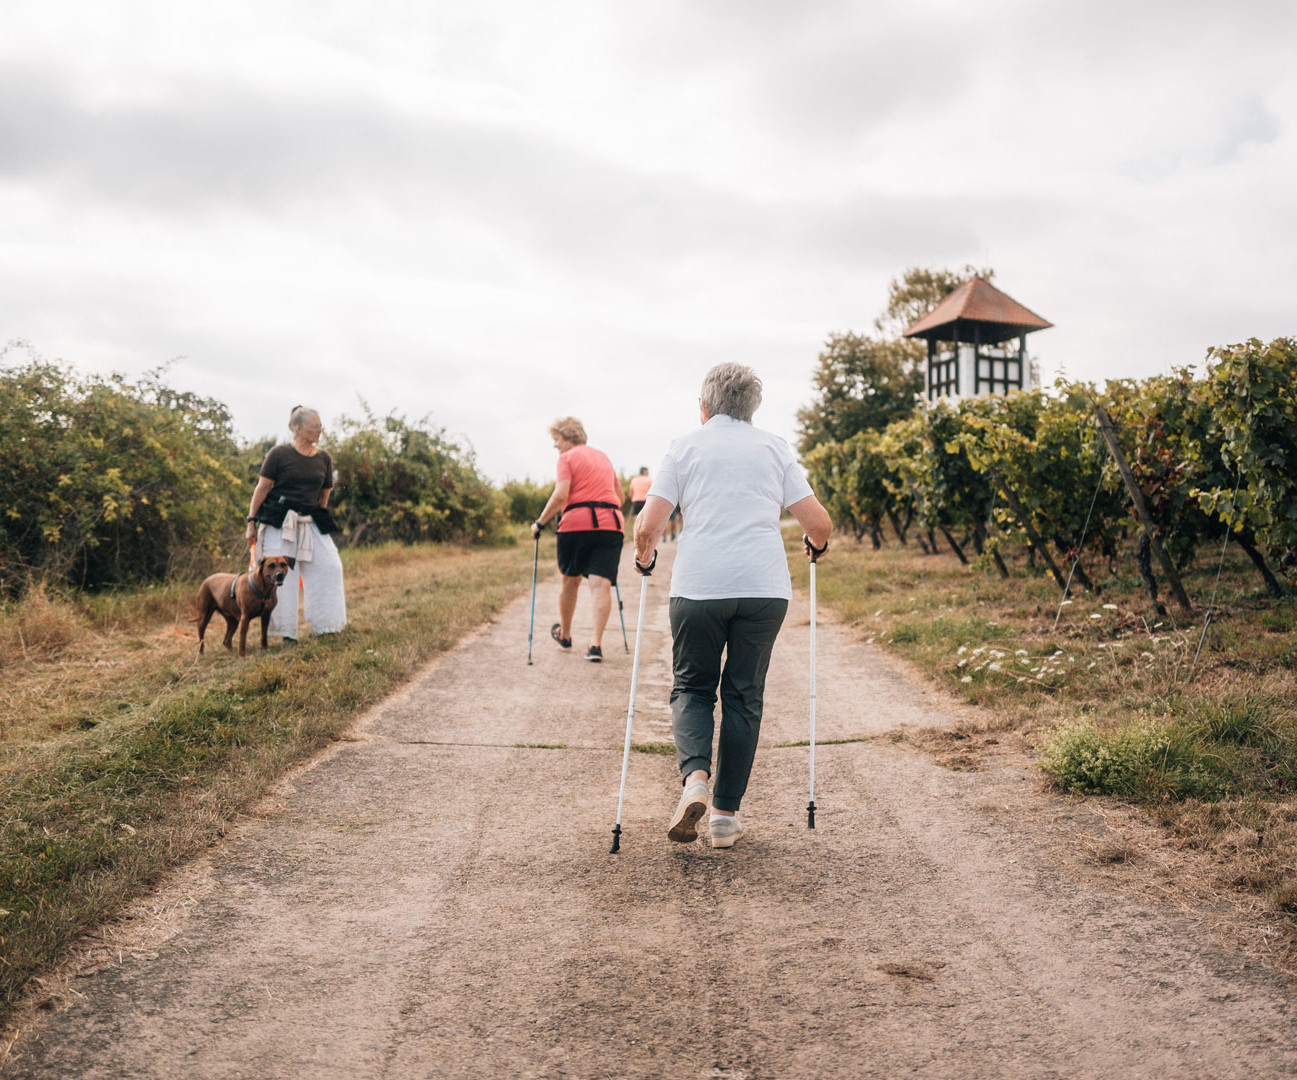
[[732, 482]]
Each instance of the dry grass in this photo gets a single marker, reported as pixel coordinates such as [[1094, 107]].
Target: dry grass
[[1222, 779], [123, 751], [994, 642]]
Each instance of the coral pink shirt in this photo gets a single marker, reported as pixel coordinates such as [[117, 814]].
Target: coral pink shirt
[[593, 480]]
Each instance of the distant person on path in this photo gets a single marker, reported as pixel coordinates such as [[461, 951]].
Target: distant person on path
[[588, 494], [675, 524], [730, 587], [288, 515], [639, 488]]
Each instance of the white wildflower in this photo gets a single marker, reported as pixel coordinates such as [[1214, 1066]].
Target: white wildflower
[[1109, 607], [1096, 615], [1019, 652], [966, 678], [962, 649]]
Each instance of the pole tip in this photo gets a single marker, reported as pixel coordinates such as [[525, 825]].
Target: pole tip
[[616, 840], [810, 815]]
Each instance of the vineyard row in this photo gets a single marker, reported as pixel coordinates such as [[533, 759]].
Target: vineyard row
[[1171, 462]]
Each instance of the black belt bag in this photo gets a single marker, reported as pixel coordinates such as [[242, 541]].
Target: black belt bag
[[273, 511], [593, 506]]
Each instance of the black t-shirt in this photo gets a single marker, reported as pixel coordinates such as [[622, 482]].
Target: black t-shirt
[[301, 480]]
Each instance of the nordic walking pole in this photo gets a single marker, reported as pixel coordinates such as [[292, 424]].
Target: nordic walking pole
[[630, 710], [621, 615], [535, 562], [814, 553]]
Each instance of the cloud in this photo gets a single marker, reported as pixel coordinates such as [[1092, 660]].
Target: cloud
[[499, 213]]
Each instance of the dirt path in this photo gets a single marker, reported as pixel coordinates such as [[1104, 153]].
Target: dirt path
[[436, 899]]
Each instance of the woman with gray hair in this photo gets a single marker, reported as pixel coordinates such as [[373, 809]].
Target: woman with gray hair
[[730, 587], [289, 515]]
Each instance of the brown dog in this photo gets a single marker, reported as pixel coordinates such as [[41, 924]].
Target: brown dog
[[242, 597]]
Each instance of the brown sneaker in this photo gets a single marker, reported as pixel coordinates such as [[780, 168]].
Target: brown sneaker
[[693, 805]]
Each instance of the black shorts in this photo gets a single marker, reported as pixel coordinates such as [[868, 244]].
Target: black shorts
[[637, 505], [590, 551]]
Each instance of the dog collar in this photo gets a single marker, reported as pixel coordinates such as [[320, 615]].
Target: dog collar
[[251, 585]]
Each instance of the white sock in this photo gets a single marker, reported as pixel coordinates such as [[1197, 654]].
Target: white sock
[[712, 819]]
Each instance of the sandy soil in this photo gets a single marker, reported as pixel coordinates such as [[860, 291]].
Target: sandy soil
[[436, 899]]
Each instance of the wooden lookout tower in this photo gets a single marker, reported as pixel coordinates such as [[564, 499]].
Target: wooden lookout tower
[[971, 350]]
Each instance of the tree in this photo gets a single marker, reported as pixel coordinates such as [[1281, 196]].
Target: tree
[[917, 291], [863, 383]]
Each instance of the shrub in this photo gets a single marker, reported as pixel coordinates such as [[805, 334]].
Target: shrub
[[525, 499], [1252, 390], [108, 481], [406, 481]]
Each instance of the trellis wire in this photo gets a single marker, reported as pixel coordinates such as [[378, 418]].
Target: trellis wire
[[1206, 622], [1103, 470]]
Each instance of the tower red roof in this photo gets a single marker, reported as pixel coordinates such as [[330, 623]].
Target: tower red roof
[[998, 316]]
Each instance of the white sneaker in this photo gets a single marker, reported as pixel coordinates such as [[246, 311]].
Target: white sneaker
[[725, 831], [693, 805]]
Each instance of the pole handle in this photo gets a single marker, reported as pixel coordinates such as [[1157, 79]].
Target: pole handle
[[812, 552]]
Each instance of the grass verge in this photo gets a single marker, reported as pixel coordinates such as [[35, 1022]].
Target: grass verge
[[1107, 692], [123, 752]]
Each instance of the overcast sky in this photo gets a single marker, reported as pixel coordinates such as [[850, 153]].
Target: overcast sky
[[499, 213]]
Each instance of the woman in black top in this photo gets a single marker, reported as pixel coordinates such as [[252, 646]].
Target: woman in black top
[[288, 515]]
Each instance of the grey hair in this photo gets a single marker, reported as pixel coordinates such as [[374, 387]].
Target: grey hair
[[731, 390], [298, 416]]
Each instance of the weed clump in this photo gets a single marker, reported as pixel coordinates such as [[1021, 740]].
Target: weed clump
[[1148, 760], [1212, 749]]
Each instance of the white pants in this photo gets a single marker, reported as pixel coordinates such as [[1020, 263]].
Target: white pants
[[325, 601]]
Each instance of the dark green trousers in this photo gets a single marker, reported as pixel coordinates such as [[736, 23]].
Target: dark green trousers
[[744, 630]]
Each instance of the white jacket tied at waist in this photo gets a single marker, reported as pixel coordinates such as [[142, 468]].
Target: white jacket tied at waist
[[296, 533]]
